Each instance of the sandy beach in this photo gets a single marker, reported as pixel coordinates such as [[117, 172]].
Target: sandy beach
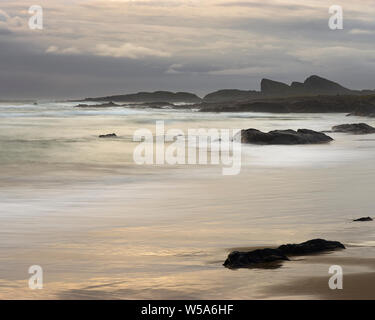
[[104, 228]]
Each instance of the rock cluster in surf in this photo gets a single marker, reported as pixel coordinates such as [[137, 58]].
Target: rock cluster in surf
[[258, 257], [288, 137], [355, 128]]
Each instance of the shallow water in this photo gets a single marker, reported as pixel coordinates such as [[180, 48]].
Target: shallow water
[[103, 227]]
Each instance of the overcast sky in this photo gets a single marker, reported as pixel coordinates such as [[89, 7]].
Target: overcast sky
[[103, 47]]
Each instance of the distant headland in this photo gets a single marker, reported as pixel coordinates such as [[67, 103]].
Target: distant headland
[[312, 86], [314, 95]]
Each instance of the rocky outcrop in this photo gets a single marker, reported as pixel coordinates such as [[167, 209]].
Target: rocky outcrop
[[283, 137], [311, 246], [266, 256], [355, 128], [363, 219], [274, 88], [109, 135], [318, 85], [313, 85], [238, 259], [157, 96]]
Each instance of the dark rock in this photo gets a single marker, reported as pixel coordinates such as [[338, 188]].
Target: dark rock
[[284, 137], [311, 246], [266, 256], [238, 259], [103, 105], [363, 219], [356, 128], [109, 135]]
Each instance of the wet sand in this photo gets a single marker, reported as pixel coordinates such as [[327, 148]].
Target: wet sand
[[103, 228], [153, 240], [356, 285]]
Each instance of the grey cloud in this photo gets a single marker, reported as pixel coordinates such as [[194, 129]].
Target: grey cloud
[[177, 49]]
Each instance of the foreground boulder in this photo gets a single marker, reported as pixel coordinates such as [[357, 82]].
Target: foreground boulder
[[311, 246], [109, 135], [288, 137], [363, 219], [266, 256], [355, 128], [238, 259]]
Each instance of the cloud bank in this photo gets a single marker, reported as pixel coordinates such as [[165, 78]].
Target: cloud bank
[[101, 47]]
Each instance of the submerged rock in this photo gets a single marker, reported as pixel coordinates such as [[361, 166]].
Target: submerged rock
[[311, 246], [288, 137], [109, 135], [238, 259], [356, 128], [363, 219], [266, 256]]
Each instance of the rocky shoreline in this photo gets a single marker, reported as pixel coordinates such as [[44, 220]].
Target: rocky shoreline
[[363, 106], [353, 105]]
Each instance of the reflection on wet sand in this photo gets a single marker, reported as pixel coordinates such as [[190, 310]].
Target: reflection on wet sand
[[170, 240], [358, 281]]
